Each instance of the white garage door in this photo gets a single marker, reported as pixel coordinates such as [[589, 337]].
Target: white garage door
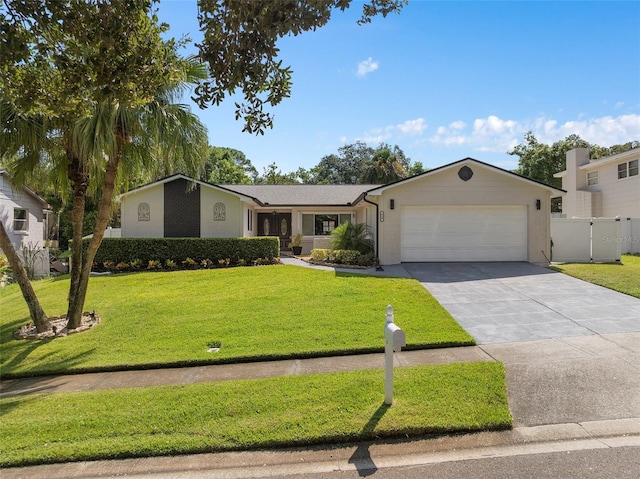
[[464, 233]]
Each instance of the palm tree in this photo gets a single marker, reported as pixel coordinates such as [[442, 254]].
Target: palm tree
[[158, 133], [100, 151], [384, 168]]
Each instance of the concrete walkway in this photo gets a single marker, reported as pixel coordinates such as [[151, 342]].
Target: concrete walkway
[[225, 372]]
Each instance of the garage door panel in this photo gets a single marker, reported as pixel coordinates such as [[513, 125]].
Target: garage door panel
[[464, 233]]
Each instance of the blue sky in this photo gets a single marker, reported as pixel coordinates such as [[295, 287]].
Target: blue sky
[[445, 80]]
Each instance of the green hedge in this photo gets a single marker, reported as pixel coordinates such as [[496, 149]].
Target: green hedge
[[347, 256], [233, 250]]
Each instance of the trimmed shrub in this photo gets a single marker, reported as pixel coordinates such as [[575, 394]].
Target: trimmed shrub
[[320, 255], [174, 251], [347, 257]]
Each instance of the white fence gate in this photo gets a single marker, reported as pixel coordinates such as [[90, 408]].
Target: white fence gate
[[594, 239], [630, 235]]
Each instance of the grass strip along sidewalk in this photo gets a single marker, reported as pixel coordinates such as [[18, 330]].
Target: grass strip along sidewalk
[[260, 413], [623, 277], [160, 319]]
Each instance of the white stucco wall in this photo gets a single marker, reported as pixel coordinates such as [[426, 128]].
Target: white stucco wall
[[249, 218], [131, 226], [233, 224], [487, 187]]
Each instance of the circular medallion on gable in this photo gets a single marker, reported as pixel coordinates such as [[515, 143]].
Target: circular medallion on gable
[[465, 173]]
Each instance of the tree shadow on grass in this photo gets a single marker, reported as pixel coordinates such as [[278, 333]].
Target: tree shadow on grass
[[361, 457], [11, 403], [16, 351], [7, 339], [62, 365]]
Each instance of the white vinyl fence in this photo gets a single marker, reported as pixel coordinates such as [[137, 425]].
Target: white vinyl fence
[[630, 235], [597, 240]]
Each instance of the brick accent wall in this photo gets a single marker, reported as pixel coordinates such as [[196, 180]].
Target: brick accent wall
[[181, 210]]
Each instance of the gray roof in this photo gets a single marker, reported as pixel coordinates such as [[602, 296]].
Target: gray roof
[[5, 172], [302, 195]]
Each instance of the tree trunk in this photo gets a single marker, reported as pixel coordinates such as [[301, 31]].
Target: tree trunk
[[80, 181], [36, 312], [104, 214]]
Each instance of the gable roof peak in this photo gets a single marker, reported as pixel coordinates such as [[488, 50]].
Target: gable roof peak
[[468, 159]]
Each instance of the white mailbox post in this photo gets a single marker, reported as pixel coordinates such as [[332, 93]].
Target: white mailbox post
[[394, 340]]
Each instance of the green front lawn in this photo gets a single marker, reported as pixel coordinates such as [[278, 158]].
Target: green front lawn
[[262, 413], [266, 312], [623, 277]]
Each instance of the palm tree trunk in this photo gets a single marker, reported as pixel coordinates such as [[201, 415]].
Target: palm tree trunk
[[74, 313], [80, 182], [36, 312]]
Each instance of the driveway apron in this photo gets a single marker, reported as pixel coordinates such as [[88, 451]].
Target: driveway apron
[[514, 302]]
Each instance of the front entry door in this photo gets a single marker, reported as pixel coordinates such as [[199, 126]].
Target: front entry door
[[276, 224]]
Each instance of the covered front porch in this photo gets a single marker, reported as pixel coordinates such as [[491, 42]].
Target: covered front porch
[[314, 226]]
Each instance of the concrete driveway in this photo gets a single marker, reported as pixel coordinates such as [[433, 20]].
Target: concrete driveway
[[513, 302]]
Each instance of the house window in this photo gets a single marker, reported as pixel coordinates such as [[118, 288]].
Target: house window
[[219, 212], [144, 212], [628, 169], [249, 220], [592, 178], [622, 170], [20, 219], [322, 225]]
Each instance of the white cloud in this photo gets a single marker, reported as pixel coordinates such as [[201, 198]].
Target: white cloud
[[408, 128], [493, 134], [372, 139], [367, 66], [412, 127], [605, 131]]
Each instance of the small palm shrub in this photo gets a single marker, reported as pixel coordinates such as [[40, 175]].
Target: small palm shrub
[[189, 263], [154, 264], [206, 263], [355, 237]]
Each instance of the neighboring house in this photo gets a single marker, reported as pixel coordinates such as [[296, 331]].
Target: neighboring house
[[606, 187], [464, 211], [26, 218]]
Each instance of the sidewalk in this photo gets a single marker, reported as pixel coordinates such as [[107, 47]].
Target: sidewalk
[[224, 372], [565, 394]]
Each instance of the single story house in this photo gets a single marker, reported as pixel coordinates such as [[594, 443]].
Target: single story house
[[606, 187], [26, 218], [464, 211]]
